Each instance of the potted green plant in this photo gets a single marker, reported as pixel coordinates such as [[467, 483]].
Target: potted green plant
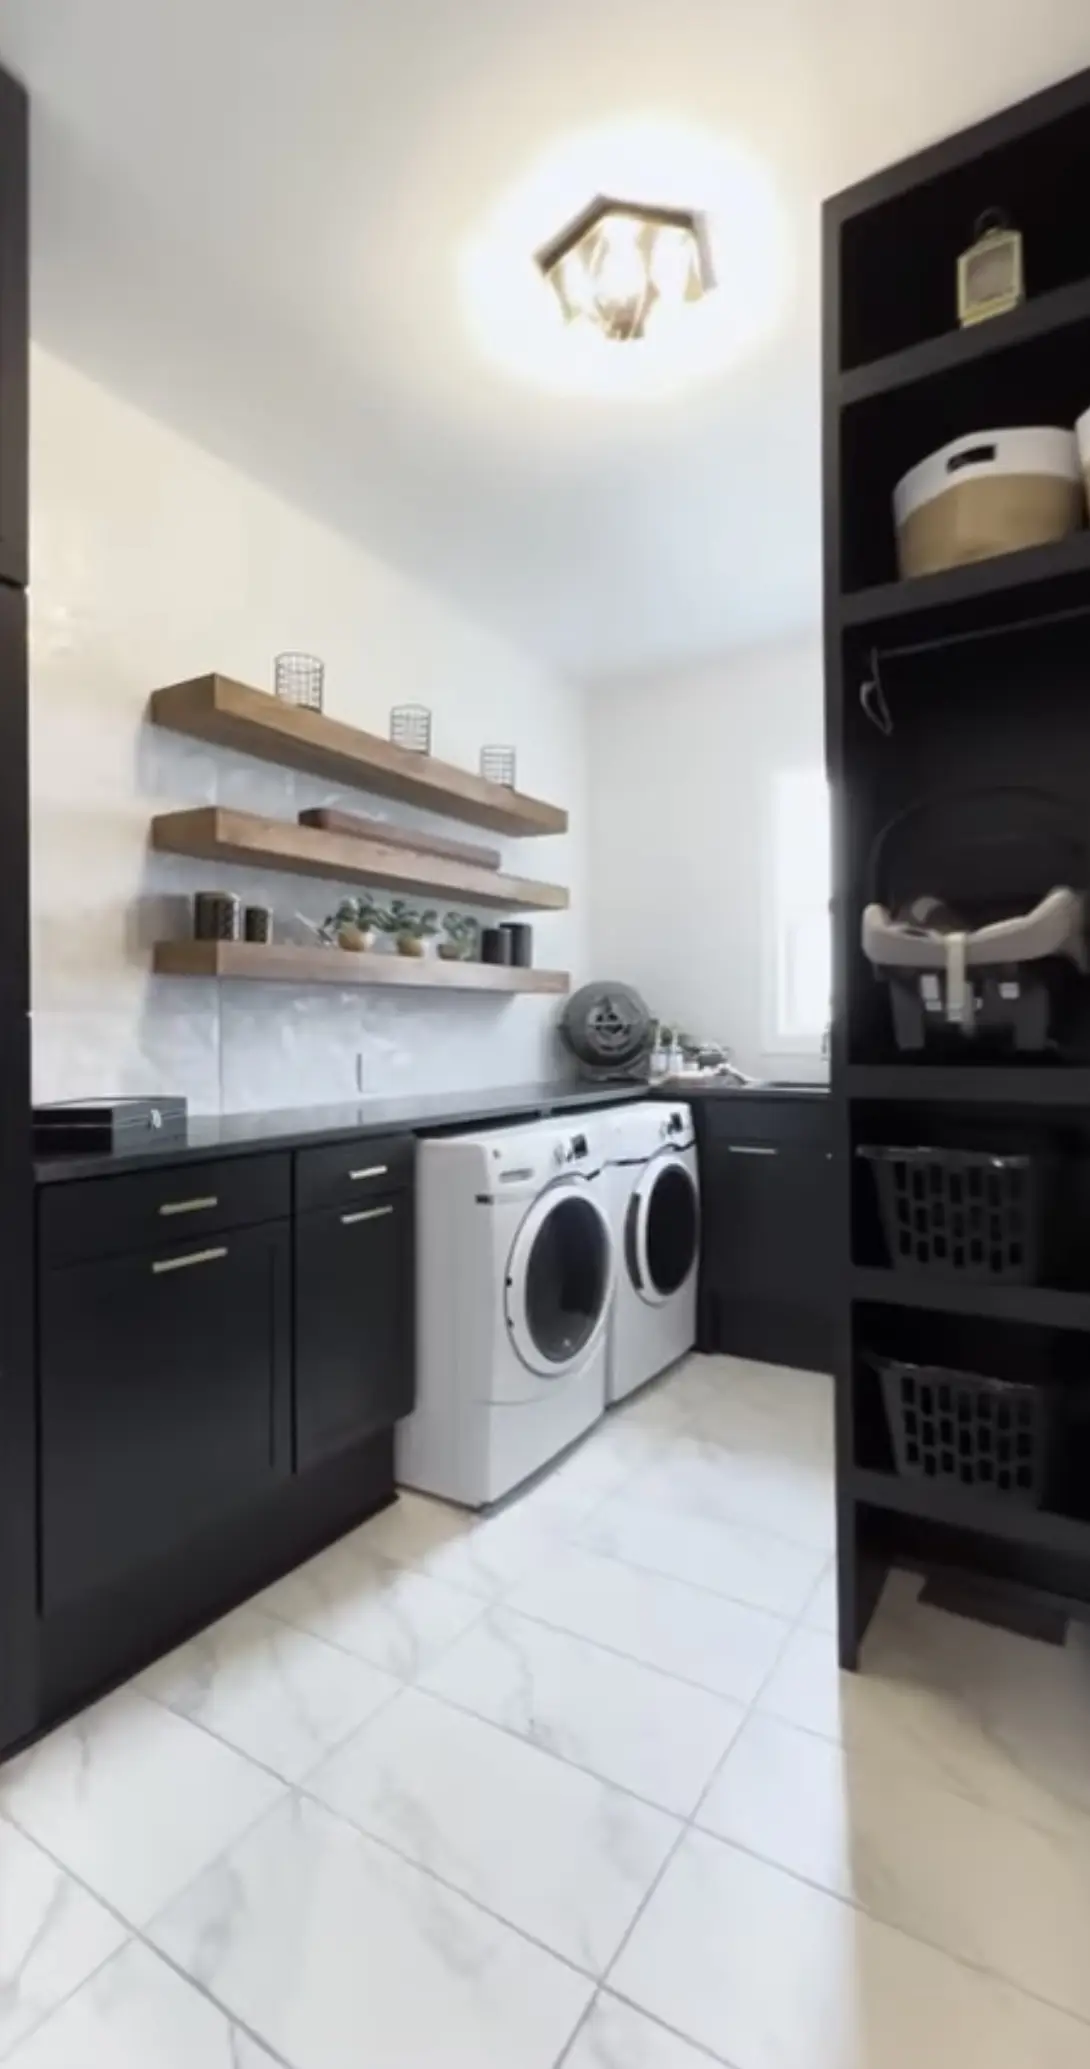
[[461, 933], [354, 924], [409, 927]]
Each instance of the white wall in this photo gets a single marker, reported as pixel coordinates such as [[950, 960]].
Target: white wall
[[682, 772], [151, 561]]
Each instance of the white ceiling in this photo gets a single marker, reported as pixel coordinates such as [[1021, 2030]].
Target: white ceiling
[[257, 218]]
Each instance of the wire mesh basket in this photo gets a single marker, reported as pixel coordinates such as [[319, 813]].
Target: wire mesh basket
[[988, 1436], [498, 765], [410, 727], [961, 1212], [300, 679]]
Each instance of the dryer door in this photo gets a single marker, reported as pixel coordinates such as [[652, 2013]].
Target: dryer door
[[559, 1279], [662, 1227]]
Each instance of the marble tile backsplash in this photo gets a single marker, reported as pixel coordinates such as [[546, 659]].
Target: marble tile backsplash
[[222, 574]]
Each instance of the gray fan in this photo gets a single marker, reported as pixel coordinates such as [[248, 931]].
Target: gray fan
[[609, 1029]]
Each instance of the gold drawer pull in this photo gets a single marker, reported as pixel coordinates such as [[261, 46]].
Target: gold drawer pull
[[189, 1206], [366, 1214], [371, 1171], [182, 1264]]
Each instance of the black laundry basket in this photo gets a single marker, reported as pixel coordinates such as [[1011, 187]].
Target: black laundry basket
[[961, 1211], [989, 1436]]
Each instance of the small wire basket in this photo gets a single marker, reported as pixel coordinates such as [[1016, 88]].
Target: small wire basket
[[300, 679], [498, 765], [410, 728]]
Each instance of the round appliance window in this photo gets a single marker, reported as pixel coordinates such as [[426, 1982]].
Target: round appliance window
[[565, 1279], [663, 1232]]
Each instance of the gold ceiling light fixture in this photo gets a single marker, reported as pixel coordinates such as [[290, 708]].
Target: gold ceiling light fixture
[[618, 264]]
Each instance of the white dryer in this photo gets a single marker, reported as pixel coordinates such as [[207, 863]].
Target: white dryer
[[515, 1275], [655, 1206]]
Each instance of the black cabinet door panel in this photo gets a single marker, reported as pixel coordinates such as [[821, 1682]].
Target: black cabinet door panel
[[13, 331], [353, 1324], [767, 1268], [165, 1401]]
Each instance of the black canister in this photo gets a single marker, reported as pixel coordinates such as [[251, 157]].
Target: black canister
[[217, 916], [521, 938], [495, 945], [258, 923]]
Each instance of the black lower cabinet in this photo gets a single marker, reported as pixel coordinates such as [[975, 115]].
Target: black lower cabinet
[[165, 1401], [218, 1382], [353, 1324], [767, 1266]]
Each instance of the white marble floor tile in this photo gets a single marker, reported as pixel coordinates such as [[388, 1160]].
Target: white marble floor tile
[[52, 1935], [731, 1559], [682, 1630], [616, 2037], [658, 1406], [397, 1619], [343, 1956], [749, 1407], [787, 1496], [769, 1973], [136, 2013], [556, 1852], [820, 1612], [484, 1555], [281, 1695], [998, 1718], [626, 1722], [915, 1855], [134, 1800], [606, 1460]]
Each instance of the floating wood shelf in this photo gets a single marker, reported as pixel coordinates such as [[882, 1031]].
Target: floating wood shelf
[[214, 834], [228, 714], [282, 963]]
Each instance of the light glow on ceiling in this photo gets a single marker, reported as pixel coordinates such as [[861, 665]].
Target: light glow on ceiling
[[516, 317]]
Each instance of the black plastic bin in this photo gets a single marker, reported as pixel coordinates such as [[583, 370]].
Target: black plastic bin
[[987, 1436], [962, 1212]]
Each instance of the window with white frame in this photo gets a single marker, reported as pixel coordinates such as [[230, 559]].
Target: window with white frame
[[802, 975]]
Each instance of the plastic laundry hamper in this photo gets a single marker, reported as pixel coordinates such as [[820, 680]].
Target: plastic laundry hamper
[[986, 1436], [962, 1213]]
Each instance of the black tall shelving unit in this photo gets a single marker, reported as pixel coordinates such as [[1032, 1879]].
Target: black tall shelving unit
[[986, 671]]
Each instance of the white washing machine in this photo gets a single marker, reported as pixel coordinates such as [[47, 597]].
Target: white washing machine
[[515, 1274], [655, 1206]]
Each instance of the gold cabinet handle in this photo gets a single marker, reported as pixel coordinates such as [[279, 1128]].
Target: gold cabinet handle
[[371, 1171], [182, 1264], [365, 1214], [190, 1206]]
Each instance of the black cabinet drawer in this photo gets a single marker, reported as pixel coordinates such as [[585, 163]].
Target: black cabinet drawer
[[802, 1122], [342, 1173], [165, 1401], [354, 1370], [104, 1217]]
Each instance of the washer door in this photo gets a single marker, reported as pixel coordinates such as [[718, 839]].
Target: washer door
[[662, 1228], [559, 1279]]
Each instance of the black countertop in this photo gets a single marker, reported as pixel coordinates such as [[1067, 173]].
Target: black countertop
[[229, 1135], [722, 1088]]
